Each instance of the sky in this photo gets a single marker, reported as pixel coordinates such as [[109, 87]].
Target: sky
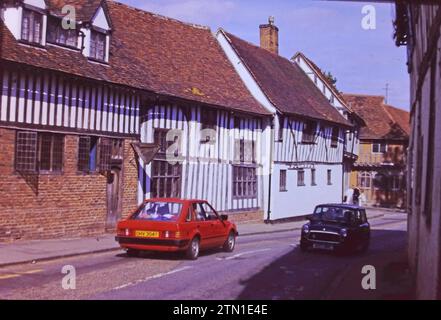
[[330, 33]]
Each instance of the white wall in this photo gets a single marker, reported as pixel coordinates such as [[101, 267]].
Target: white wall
[[301, 200], [12, 19]]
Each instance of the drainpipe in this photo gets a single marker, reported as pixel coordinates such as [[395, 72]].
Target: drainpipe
[[268, 216]]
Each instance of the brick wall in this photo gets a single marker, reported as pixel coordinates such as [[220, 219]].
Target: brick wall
[[60, 205]]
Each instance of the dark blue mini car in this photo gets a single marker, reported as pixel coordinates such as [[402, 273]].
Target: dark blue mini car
[[339, 227]]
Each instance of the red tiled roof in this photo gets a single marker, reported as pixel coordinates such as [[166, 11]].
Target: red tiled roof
[[152, 53], [287, 87], [382, 121], [84, 9]]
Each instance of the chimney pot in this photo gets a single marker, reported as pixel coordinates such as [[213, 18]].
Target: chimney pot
[[269, 36]]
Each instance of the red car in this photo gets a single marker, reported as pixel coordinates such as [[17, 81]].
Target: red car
[[176, 225]]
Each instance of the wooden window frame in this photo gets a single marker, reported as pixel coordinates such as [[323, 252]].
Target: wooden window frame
[[208, 121], [54, 25], [242, 181], [55, 159], [364, 176], [91, 147], [282, 180], [26, 151], [313, 177], [301, 178], [93, 51], [162, 173], [335, 136], [280, 129], [309, 132], [30, 35], [380, 147], [329, 177]]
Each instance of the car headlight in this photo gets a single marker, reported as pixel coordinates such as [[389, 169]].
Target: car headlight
[[344, 233], [305, 229]]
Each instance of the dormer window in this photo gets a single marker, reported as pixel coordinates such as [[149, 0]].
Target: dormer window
[[97, 45], [58, 35], [31, 26]]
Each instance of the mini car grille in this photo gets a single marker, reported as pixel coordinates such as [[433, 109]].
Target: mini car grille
[[321, 236]]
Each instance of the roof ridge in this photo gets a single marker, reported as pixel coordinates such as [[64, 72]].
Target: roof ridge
[[363, 95], [160, 16], [320, 113]]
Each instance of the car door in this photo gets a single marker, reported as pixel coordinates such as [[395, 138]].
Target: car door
[[205, 227], [218, 227]]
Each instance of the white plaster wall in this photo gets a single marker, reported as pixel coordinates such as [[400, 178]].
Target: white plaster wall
[[100, 20], [301, 200], [12, 19]]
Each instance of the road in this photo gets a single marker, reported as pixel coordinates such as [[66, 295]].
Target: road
[[267, 266]]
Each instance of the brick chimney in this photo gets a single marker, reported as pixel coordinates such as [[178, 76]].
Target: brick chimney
[[269, 36]]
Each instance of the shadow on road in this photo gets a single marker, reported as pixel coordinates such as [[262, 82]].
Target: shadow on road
[[324, 275]]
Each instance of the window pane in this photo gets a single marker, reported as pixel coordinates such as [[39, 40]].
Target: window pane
[[26, 151], [45, 151], [57, 152], [83, 154]]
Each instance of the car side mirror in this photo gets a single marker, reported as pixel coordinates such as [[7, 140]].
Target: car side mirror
[[224, 217]]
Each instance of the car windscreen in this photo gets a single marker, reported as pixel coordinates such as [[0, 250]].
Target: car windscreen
[[334, 214], [158, 211]]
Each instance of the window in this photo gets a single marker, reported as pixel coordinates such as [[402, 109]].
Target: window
[[332, 99], [364, 180], [280, 131], [208, 121], [166, 179], [329, 177], [158, 211], [379, 148], [244, 151], [282, 182], [39, 152], [301, 178], [58, 35], [26, 151], [160, 136], [31, 26], [244, 182], [87, 154], [205, 212], [51, 152], [313, 181], [97, 45], [315, 79], [309, 128], [334, 137]]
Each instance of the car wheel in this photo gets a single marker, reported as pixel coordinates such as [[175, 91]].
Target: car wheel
[[193, 249], [303, 246], [133, 252], [230, 243]]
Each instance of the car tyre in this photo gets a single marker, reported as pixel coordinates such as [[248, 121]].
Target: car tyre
[[230, 243], [193, 249], [303, 246]]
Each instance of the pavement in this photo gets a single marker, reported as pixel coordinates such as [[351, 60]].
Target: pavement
[[32, 251]]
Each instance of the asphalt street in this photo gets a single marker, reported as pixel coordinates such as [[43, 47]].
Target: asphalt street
[[267, 266]]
